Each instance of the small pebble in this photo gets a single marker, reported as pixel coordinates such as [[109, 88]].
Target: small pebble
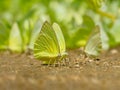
[[114, 51], [76, 65]]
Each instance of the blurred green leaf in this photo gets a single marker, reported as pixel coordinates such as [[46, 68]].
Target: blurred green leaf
[[34, 34], [115, 31], [4, 33], [95, 4], [81, 34]]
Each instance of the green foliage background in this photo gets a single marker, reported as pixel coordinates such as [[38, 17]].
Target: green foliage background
[[77, 18]]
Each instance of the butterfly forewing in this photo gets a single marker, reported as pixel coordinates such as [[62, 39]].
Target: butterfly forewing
[[94, 44], [46, 45], [60, 38]]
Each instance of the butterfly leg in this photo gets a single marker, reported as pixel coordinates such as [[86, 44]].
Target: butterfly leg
[[55, 63], [49, 63], [66, 62]]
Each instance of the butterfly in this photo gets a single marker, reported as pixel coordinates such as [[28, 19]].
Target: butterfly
[[50, 44], [15, 40], [93, 46]]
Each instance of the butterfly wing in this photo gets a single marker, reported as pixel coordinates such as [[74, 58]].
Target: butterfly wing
[[60, 39], [94, 44], [46, 45]]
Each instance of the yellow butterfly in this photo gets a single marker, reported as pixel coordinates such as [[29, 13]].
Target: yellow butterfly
[[50, 44]]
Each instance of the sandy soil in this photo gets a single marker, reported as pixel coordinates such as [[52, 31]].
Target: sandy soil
[[23, 72]]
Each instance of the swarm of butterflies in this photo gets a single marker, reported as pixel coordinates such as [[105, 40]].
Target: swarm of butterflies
[[50, 44]]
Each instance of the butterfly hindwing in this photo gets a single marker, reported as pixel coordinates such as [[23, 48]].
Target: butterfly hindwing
[[60, 38], [94, 44]]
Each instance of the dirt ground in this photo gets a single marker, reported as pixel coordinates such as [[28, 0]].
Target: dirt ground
[[23, 72]]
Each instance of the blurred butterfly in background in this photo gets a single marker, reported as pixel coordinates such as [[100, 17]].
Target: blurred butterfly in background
[[15, 40], [50, 44], [93, 46]]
